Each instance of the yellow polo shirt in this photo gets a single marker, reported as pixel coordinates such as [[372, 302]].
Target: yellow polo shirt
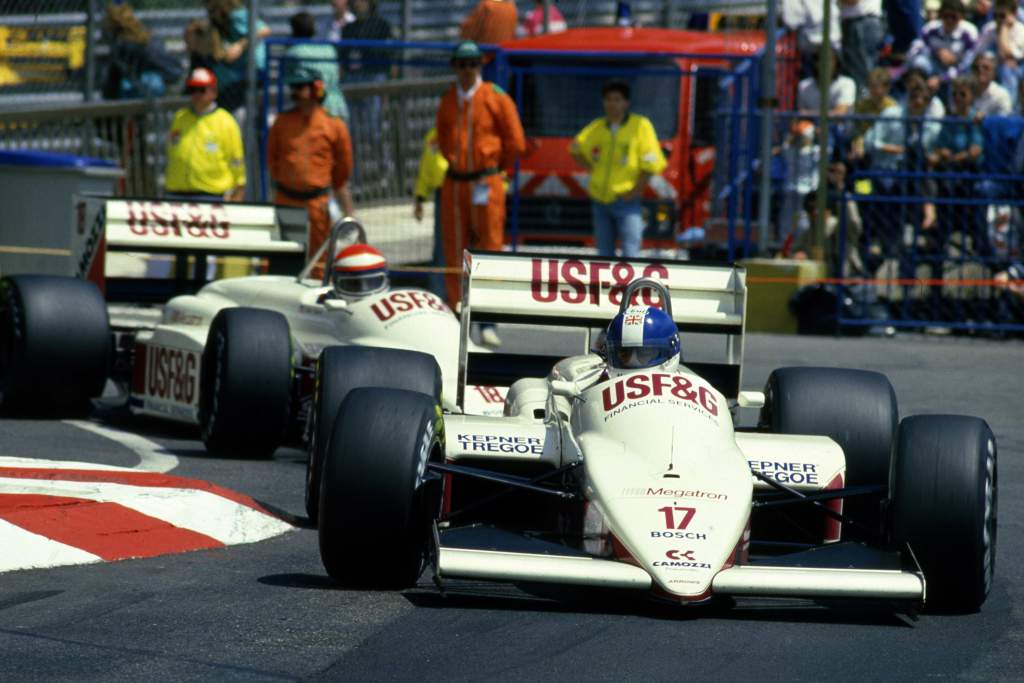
[[618, 157], [204, 153]]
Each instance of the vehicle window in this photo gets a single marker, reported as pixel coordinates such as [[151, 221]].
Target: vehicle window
[[559, 97]]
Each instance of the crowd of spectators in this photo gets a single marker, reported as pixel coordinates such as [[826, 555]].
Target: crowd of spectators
[[933, 117]]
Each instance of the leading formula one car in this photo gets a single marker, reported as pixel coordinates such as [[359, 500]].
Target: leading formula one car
[[625, 468]]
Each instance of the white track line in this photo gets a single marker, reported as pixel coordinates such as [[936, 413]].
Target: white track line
[[152, 456]]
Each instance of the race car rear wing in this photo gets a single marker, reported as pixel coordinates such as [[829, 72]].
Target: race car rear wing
[[153, 226], [584, 292]]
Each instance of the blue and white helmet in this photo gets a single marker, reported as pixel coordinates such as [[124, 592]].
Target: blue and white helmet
[[642, 337]]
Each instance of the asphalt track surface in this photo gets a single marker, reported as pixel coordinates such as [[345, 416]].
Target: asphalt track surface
[[266, 611]]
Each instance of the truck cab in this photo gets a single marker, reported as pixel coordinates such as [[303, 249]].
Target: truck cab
[[674, 76]]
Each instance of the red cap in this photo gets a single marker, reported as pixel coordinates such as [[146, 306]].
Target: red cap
[[358, 258], [200, 78]]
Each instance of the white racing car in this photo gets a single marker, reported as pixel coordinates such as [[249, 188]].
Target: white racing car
[[238, 358], [625, 469]]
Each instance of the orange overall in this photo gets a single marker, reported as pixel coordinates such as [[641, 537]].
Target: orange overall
[[490, 22], [479, 137], [308, 157]]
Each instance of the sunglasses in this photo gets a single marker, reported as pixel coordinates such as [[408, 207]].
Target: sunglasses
[[196, 89], [467, 64]]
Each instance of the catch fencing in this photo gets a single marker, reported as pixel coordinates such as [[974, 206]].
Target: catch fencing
[[915, 237]]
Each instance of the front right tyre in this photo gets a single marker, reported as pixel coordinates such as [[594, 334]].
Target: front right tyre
[[943, 506]]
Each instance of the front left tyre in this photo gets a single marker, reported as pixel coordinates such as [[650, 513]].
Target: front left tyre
[[377, 497], [245, 383], [943, 506], [55, 344]]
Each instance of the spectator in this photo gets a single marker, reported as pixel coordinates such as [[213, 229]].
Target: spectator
[[1004, 35], [479, 134], [807, 18], [958, 149], [943, 44], [992, 98], [321, 59], [491, 22], [842, 92], [533, 23], [139, 66], [862, 37], [850, 249], [330, 27], [800, 153], [876, 101], [309, 156], [204, 147], [900, 141], [936, 109], [904, 18], [980, 13], [429, 179], [621, 152], [368, 65], [362, 65], [202, 43], [231, 20]]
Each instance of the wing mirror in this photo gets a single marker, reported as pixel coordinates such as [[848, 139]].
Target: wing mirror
[[561, 387], [751, 399]]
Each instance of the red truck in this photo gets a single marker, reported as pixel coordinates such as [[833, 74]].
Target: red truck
[[675, 77]]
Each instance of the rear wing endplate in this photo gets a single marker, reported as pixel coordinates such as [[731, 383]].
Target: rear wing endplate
[[584, 292], [153, 226]]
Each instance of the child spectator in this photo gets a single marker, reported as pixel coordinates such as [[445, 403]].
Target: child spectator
[[992, 98], [800, 154], [1004, 35], [876, 101], [943, 44], [533, 22]]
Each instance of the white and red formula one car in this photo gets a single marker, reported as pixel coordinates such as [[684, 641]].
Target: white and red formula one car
[[238, 357], [625, 468]]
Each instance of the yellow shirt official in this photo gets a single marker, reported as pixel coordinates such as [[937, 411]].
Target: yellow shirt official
[[204, 153], [618, 157]]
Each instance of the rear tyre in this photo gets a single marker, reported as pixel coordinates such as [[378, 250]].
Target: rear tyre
[[339, 370], [54, 344], [377, 499], [245, 383], [855, 408], [943, 505]]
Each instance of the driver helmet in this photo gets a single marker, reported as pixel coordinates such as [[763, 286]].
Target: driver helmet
[[642, 337], [359, 270]]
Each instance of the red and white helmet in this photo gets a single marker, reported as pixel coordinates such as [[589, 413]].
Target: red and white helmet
[[359, 270]]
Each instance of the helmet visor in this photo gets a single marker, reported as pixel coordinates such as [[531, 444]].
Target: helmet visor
[[361, 283], [635, 357]]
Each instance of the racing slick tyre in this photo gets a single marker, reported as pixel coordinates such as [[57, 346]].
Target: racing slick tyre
[[377, 499], [855, 408], [55, 344], [943, 505], [245, 383], [339, 370]]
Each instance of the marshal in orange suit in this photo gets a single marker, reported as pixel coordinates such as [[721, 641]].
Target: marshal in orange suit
[[479, 133]]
